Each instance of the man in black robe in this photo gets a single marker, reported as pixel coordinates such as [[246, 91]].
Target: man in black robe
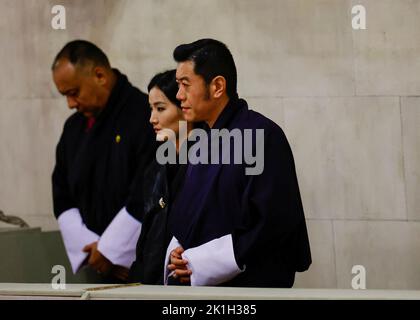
[[104, 145], [233, 225]]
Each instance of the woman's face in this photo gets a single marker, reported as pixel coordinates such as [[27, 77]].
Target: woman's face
[[165, 115]]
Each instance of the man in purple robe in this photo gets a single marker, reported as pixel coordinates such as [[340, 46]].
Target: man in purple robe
[[233, 225]]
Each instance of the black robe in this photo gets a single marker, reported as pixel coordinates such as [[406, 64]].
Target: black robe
[[95, 169], [160, 185], [263, 213]]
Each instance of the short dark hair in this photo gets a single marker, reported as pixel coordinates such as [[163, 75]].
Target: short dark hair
[[166, 82], [211, 58], [81, 52]]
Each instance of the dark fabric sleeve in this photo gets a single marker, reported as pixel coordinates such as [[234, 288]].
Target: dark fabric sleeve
[[62, 200], [272, 209], [145, 153]]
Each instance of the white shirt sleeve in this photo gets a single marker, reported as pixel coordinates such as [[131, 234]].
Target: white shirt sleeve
[[213, 262], [172, 245], [119, 240], [75, 236]]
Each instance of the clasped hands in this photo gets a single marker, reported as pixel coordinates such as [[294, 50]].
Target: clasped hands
[[102, 265], [178, 266]]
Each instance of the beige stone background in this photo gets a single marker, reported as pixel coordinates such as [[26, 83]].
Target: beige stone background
[[348, 100]]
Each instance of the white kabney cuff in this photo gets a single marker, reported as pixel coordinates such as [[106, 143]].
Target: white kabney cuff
[[75, 236], [213, 262], [119, 240], [172, 245]]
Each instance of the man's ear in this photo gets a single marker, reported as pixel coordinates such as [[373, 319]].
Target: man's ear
[[100, 75], [218, 85]]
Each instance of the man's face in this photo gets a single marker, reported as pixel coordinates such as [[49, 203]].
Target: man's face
[[81, 86], [193, 93]]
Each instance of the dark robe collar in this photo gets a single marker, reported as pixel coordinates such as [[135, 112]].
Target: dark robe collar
[[233, 106], [120, 83]]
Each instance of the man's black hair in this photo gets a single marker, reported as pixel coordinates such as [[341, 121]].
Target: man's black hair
[[211, 58], [82, 52], [166, 82]]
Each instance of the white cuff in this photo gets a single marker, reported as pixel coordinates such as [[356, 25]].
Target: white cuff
[[75, 236], [172, 245], [119, 240], [213, 262]]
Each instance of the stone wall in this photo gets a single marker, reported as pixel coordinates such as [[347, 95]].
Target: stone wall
[[348, 100]]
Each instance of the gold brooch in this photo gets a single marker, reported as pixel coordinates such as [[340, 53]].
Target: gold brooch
[[162, 203]]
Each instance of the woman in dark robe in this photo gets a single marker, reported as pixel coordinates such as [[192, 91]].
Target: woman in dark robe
[[160, 182]]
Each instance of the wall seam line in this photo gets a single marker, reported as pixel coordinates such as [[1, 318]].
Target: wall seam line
[[403, 159]]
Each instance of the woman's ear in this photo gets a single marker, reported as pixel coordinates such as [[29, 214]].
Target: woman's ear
[[218, 85]]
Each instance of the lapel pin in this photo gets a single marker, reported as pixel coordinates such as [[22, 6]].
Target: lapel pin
[[162, 203]]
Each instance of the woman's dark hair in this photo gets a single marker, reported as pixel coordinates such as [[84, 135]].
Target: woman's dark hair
[[166, 82], [211, 58]]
